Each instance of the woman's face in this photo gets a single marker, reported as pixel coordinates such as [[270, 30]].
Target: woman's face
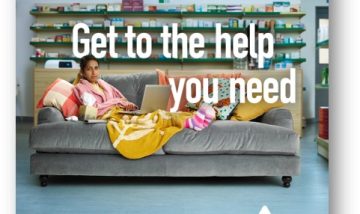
[[91, 71]]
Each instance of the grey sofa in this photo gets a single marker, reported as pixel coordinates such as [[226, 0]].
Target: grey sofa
[[265, 147]]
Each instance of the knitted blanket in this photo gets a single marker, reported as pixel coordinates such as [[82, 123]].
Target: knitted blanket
[[136, 137]]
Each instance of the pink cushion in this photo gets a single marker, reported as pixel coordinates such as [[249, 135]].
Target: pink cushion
[[59, 94]]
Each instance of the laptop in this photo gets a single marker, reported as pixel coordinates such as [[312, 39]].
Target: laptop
[[155, 97]]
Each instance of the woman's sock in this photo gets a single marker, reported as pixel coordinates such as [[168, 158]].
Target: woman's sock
[[201, 119], [196, 122], [210, 115]]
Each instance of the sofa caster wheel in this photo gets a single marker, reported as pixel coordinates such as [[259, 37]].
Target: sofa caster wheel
[[286, 181], [44, 180]]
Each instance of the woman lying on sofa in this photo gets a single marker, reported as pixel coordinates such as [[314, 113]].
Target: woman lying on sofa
[[107, 96], [133, 136]]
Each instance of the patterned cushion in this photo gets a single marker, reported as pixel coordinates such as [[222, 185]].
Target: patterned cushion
[[183, 106], [223, 107], [59, 94]]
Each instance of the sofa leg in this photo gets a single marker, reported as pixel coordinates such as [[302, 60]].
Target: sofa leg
[[43, 180], [286, 181]]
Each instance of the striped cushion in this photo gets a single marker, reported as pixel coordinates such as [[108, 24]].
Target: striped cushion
[[59, 94]]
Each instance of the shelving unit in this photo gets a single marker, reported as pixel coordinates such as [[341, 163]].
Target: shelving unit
[[179, 14], [321, 90], [162, 15], [123, 62]]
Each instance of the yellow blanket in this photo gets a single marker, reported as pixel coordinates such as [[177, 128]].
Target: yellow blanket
[[136, 137]]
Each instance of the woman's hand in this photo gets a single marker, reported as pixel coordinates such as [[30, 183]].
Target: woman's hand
[[130, 107]]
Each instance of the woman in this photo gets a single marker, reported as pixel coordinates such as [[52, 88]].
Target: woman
[[105, 95]]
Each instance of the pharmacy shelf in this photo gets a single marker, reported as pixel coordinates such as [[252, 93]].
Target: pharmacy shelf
[[42, 59], [323, 44], [289, 30], [212, 29], [289, 45], [69, 28], [174, 14], [162, 14], [181, 29], [299, 60], [51, 28], [321, 86], [150, 60], [227, 29], [158, 60], [50, 43], [158, 44], [67, 13], [129, 60], [292, 14], [105, 60], [208, 60], [169, 13], [108, 13], [62, 28], [273, 14], [244, 14]]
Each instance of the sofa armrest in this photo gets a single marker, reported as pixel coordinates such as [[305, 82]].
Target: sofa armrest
[[278, 117], [49, 115]]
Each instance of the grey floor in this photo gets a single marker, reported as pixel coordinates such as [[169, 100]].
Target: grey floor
[[308, 193]]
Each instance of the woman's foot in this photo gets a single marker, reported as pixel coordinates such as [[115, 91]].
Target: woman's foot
[[201, 119]]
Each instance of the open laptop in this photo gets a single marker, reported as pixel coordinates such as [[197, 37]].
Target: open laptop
[[155, 97]]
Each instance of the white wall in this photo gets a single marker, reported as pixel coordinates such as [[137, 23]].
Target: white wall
[[24, 105]]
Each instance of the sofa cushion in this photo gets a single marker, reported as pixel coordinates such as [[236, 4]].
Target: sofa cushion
[[235, 137], [132, 86], [72, 137], [60, 95]]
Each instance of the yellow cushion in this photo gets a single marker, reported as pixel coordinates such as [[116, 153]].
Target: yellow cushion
[[248, 111]]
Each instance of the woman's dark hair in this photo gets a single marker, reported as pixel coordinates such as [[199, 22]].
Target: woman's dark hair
[[85, 59]]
